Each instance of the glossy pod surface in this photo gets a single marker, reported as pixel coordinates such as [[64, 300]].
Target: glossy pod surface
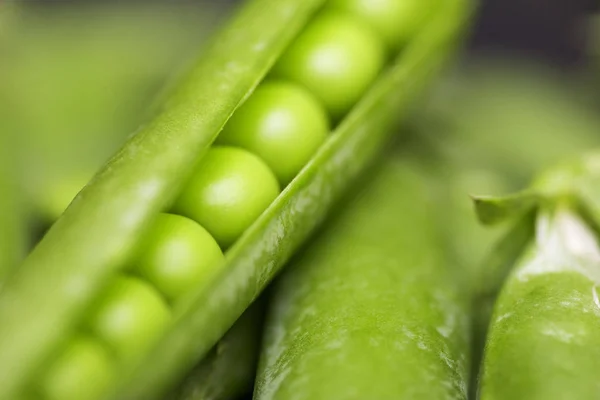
[[91, 260], [544, 336], [371, 309]]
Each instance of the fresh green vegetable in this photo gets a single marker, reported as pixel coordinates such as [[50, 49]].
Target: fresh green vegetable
[[394, 21], [544, 333], [336, 58], [81, 262], [228, 191], [176, 256], [372, 308], [282, 123]]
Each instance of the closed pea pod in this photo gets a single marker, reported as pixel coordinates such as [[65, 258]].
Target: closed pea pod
[[370, 309], [545, 329], [543, 337], [61, 280]]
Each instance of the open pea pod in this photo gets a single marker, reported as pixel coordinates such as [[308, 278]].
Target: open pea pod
[[544, 328], [61, 314]]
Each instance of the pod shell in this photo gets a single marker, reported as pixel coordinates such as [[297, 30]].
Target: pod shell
[[369, 310]]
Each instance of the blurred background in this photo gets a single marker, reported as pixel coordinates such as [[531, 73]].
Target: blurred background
[[77, 77]]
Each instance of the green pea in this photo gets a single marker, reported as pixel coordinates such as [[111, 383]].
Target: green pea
[[129, 317], [177, 255], [395, 21], [281, 122], [82, 371], [336, 57], [229, 190]]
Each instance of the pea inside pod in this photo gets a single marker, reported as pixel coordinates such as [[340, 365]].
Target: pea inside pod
[[225, 199], [283, 123]]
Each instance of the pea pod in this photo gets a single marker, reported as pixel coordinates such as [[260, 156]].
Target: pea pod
[[543, 335], [84, 262], [371, 309]]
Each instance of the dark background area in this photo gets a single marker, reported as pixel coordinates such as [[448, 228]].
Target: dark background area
[[553, 30], [550, 30]]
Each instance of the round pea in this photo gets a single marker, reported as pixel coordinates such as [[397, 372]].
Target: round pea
[[177, 255], [229, 190], [82, 371], [336, 57], [130, 317], [395, 21], [283, 123]]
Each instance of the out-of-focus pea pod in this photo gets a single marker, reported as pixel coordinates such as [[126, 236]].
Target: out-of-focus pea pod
[[372, 308], [544, 332], [12, 212], [228, 371]]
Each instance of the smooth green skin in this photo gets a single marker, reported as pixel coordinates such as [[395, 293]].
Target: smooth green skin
[[395, 21], [228, 371], [83, 371], [371, 309], [257, 257], [177, 255], [336, 58], [129, 318], [98, 233], [229, 190], [282, 123], [547, 346]]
